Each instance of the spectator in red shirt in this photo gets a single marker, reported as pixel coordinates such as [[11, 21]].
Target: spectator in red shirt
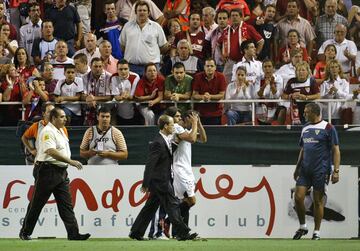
[[12, 89], [13, 33], [232, 38], [209, 85], [319, 71], [150, 88], [22, 64], [194, 35], [293, 41], [229, 5]]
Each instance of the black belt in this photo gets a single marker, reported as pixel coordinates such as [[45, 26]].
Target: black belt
[[49, 164]]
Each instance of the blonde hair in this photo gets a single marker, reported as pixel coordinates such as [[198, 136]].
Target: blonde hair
[[328, 74], [303, 64], [5, 70]]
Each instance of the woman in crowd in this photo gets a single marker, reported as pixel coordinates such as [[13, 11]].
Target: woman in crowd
[[239, 89], [22, 64], [270, 87], [293, 41], [12, 88], [9, 46], [302, 87], [319, 71], [334, 87]]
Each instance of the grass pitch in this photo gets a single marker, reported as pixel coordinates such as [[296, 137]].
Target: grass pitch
[[173, 245]]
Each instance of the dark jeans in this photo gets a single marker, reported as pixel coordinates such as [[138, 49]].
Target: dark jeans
[[236, 117]]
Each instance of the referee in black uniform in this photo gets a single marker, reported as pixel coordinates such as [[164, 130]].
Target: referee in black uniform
[[51, 177]]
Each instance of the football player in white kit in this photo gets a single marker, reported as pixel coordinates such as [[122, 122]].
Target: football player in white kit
[[187, 131]]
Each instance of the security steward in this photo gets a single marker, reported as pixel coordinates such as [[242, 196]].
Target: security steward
[[51, 177]]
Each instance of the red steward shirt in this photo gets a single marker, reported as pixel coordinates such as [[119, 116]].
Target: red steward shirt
[[247, 32], [214, 86]]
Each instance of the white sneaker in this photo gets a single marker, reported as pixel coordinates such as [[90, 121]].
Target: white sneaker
[[162, 238]]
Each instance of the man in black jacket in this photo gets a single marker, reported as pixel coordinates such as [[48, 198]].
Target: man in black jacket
[[158, 181]]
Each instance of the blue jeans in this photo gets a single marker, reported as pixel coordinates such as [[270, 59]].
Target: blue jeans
[[236, 117]]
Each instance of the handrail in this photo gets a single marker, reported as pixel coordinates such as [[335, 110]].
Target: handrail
[[250, 101]]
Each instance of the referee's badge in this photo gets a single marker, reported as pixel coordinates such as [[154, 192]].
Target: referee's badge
[[46, 137], [317, 132]]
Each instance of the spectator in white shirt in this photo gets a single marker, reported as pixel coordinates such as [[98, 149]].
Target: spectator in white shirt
[[91, 50], [32, 30], [70, 89], [334, 87], [239, 89], [346, 49]]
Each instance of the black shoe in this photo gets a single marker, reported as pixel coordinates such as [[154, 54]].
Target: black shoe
[[188, 236], [299, 233], [24, 237], [79, 237], [316, 237], [136, 237]]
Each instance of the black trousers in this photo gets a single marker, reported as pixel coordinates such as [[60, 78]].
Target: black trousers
[[167, 199], [50, 179]]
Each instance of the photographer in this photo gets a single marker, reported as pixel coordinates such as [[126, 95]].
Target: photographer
[[103, 144]]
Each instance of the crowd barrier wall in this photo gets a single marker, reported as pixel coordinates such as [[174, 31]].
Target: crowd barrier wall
[[232, 202]]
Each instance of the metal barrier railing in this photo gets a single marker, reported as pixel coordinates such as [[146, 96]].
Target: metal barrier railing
[[253, 102]]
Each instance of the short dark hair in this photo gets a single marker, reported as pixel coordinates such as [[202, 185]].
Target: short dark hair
[[141, 3], [82, 57], [46, 21], [44, 106], [314, 108], [69, 66], [148, 65], [236, 10], [188, 113], [54, 113], [270, 6], [294, 1], [163, 120], [96, 59], [103, 109], [122, 61], [245, 45], [178, 65], [221, 11], [195, 13], [171, 111]]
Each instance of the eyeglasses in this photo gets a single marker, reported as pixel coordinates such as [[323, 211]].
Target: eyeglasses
[[339, 31]]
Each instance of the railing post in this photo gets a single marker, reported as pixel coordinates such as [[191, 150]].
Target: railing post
[[253, 112]]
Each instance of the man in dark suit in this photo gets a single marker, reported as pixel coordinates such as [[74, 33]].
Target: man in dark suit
[[158, 181]]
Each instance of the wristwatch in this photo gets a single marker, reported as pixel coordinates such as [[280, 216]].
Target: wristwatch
[[336, 170]]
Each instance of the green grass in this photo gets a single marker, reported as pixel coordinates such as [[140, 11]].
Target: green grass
[[172, 245]]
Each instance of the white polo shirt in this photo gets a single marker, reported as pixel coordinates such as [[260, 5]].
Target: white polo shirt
[[142, 45], [253, 70], [340, 48], [53, 138]]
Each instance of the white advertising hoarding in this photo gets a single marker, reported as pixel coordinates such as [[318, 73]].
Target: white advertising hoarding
[[232, 201]]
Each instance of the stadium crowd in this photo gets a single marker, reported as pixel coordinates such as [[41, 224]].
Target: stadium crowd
[[140, 53]]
